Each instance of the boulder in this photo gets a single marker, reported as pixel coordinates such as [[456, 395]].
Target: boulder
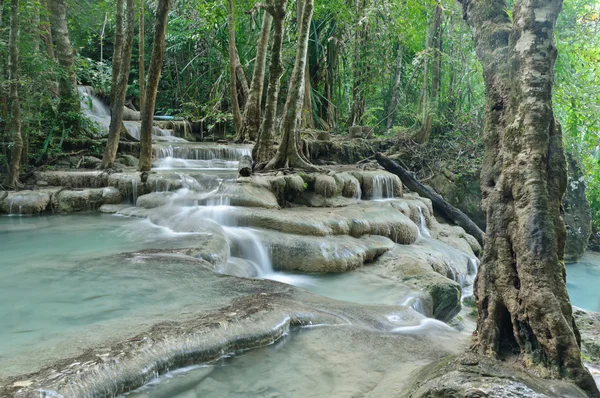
[[578, 215], [472, 376], [588, 324], [128, 160], [70, 201], [316, 255], [25, 202], [73, 179], [129, 184], [247, 192]]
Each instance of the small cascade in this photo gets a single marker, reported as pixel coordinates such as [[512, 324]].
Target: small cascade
[[204, 152], [134, 191], [246, 243], [416, 304], [423, 230], [383, 187], [194, 156], [473, 268]]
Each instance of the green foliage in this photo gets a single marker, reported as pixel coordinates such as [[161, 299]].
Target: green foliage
[[97, 74], [576, 97]]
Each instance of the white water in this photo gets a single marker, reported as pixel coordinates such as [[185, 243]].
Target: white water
[[383, 187], [95, 110]]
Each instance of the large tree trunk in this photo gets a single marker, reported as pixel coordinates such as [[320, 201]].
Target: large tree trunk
[[233, 62], [395, 89], [251, 121], [263, 149], [287, 154], [67, 85], [16, 145], [523, 304], [158, 52], [141, 53], [122, 60]]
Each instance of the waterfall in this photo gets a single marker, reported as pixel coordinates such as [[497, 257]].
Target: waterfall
[[383, 187], [199, 156], [423, 230], [97, 111], [246, 243]]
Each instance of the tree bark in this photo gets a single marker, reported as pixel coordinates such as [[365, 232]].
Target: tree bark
[[288, 154], [67, 85], [233, 62], [263, 149], [359, 74], [436, 47], [121, 68], [141, 53], [328, 108], [395, 89], [307, 120], [439, 204], [16, 145], [251, 121], [158, 52], [522, 299]]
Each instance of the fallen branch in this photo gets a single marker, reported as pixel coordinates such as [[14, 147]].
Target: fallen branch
[[439, 204]]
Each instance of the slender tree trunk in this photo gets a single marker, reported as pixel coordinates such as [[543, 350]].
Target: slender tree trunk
[[328, 107], [288, 155], [156, 63], [241, 78], [16, 145], [307, 119], [263, 149], [117, 58], [67, 85], [233, 61], [119, 89], [395, 89], [522, 299], [251, 121], [358, 88], [141, 61], [436, 47]]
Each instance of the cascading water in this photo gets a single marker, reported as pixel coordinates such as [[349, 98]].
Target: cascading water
[[199, 156], [94, 109], [383, 187], [423, 230]]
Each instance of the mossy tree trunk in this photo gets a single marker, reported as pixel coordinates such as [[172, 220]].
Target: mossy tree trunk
[[251, 119], [156, 63], [263, 149], [67, 84], [288, 154], [523, 304], [233, 62], [360, 73], [16, 140], [121, 66]]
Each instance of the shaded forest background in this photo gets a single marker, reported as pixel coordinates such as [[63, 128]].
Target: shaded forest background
[[407, 70]]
